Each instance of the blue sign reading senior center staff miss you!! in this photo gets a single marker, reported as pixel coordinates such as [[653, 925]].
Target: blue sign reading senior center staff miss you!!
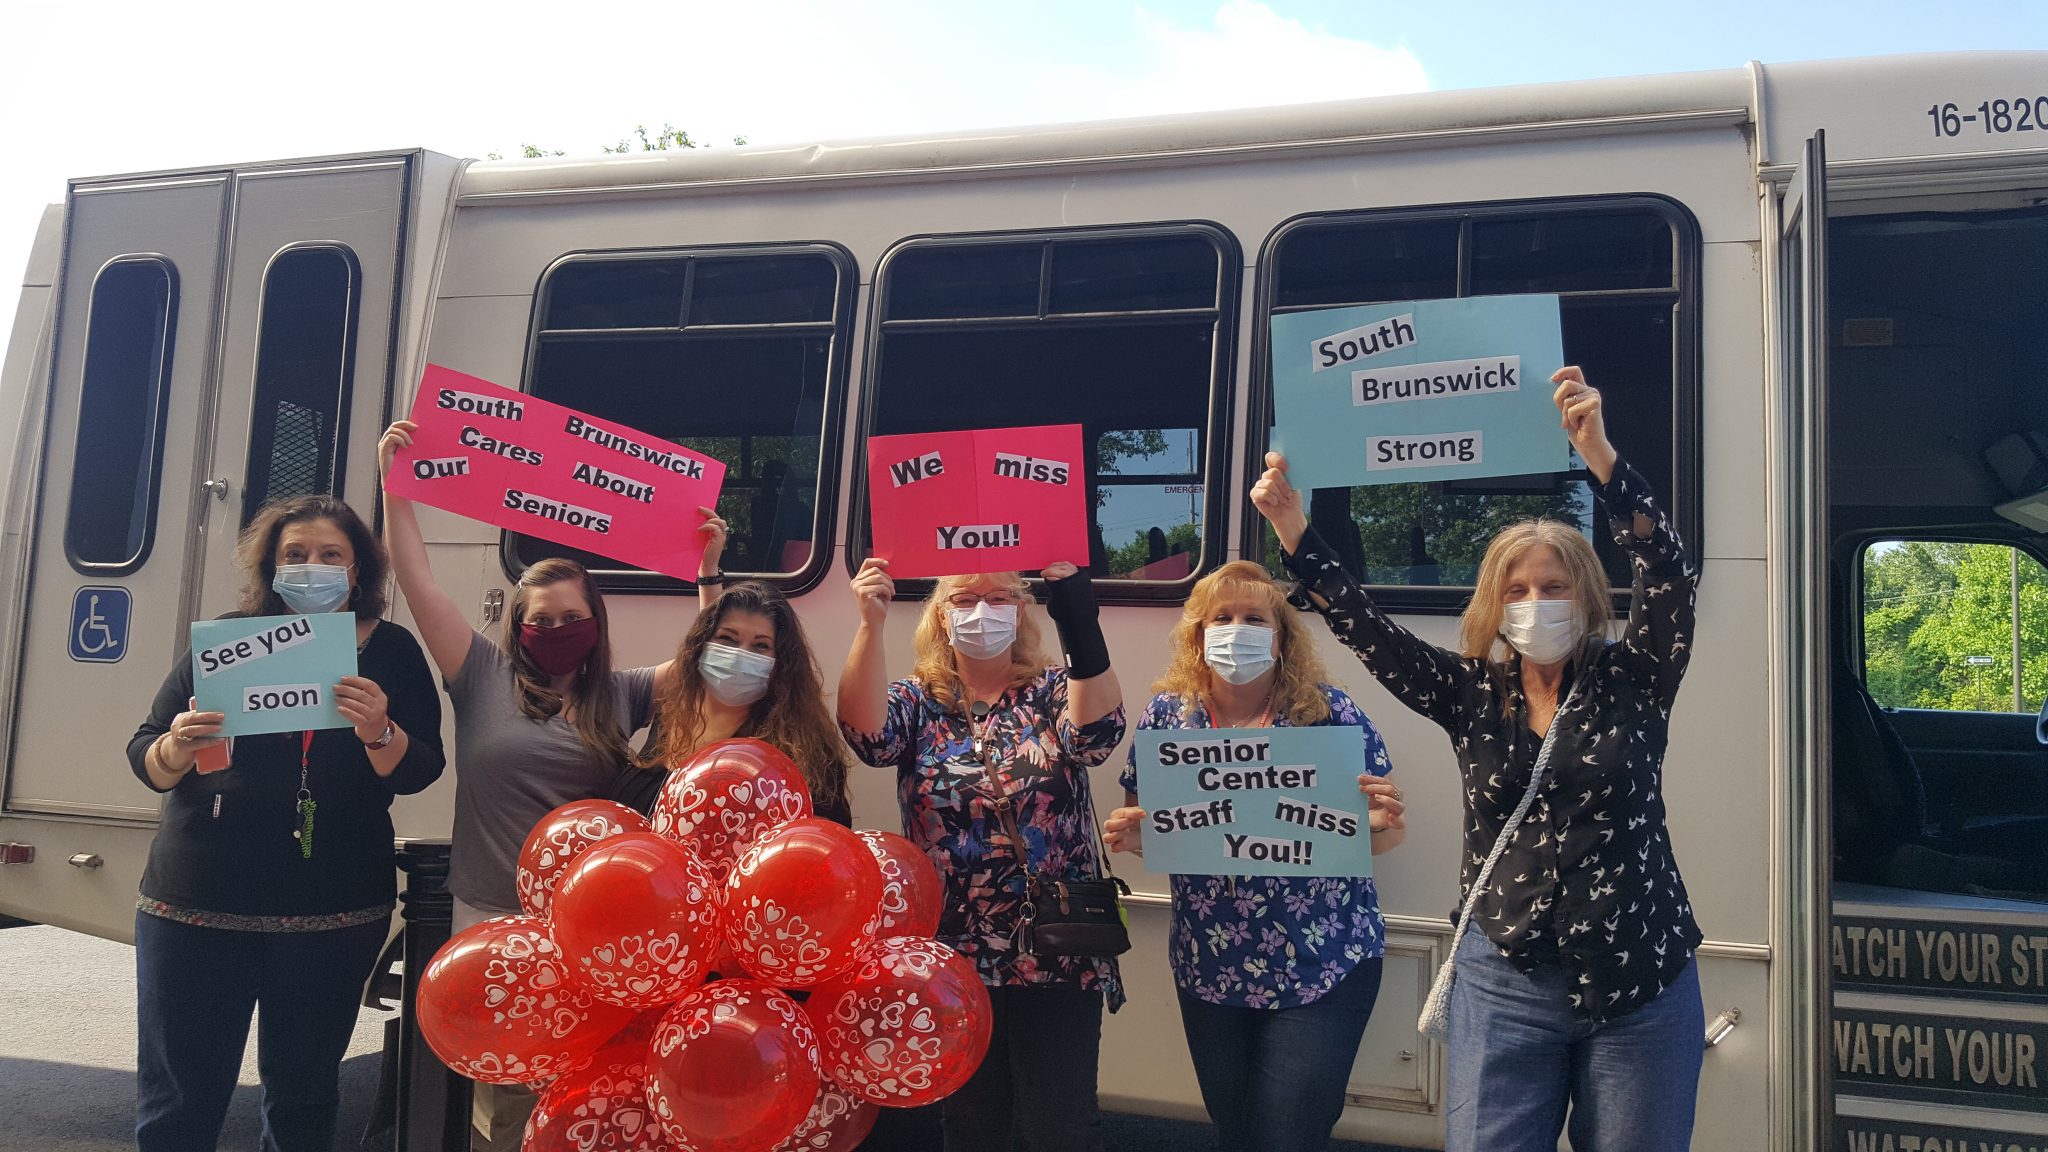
[[1254, 801], [273, 673], [1421, 390]]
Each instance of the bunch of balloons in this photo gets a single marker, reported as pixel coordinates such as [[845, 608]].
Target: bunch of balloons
[[652, 989]]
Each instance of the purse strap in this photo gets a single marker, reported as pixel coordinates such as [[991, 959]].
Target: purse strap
[[1006, 813], [1507, 832]]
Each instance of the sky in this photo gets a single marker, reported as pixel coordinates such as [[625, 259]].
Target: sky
[[118, 86]]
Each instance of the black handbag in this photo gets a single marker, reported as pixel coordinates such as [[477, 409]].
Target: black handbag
[[1069, 917]]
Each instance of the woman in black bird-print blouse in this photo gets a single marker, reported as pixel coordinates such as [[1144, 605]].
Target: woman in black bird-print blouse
[[1579, 991]]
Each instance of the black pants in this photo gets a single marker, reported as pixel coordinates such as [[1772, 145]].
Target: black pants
[[195, 988], [1036, 1089], [1273, 1078]]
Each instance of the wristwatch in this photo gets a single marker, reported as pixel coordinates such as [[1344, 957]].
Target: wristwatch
[[384, 741]]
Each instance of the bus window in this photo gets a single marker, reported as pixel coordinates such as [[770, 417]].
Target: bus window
[[1941, 781], [305, 352], [732, 354], [121, 406], [1120, 331], [1626, 272]]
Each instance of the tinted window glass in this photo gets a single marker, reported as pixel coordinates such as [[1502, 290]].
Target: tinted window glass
[[119, 454], [745, 380], [1617, 324], [943, 282], [304, 351], [1138, 373], [616, 294]]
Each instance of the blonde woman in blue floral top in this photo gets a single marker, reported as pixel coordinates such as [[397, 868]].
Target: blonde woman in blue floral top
[[1277, 975], [985, 717]]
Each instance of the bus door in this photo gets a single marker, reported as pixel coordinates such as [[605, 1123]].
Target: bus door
[[1798, 585], [115, 520], [307, 349]]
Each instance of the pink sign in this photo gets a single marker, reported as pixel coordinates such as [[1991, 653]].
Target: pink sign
[[522, 463], [992, 500]]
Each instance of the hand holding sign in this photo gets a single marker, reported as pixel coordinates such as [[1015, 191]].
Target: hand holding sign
[[1124, 831], [873, 590], [1584, 420], [1279, 502], [364, 705]]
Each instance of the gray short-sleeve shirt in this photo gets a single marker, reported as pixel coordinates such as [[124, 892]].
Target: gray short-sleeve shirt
[[511, 770]]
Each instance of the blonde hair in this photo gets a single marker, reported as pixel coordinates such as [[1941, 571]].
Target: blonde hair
[[1479, 631], [1299, 677], [937, 666]]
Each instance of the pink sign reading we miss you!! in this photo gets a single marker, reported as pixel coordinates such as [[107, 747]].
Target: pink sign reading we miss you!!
[[990, 500], [530, 466]]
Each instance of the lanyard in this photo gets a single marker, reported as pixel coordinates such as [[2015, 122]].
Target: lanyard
[[304, 832]]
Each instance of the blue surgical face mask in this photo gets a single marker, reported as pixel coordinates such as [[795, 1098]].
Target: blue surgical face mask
[[312, 588], [735, 676]]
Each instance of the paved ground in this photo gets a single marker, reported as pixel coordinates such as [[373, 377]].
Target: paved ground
[[67, 1059]]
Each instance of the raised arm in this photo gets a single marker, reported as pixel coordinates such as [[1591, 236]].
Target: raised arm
[[864, 683], [442, 627], [1658, 642], [1421, 675], [1092, 688]]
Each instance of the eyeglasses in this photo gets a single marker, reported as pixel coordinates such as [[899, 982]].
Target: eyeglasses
[[967, 600]]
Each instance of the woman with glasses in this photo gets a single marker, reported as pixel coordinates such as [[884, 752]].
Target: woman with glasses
[[991, 745], [541, 719]]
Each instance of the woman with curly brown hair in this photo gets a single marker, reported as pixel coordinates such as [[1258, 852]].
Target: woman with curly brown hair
[[744, 669], [1277, 975]]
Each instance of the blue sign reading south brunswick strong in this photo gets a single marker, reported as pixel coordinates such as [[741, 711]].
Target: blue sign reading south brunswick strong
[[1254, 801], [1420, 390]]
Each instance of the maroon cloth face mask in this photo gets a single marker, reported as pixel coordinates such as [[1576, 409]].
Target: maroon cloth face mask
[[560, 650]]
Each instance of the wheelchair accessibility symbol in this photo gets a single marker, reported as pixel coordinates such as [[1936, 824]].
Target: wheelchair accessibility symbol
[[99, 624]]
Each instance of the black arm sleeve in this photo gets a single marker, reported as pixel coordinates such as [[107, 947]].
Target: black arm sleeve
[[637, 788], [1071, 604], [414, 704]]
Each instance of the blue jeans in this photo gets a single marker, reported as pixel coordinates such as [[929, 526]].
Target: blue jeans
[[195, 988], [1273, 1079], [1518, 1058]]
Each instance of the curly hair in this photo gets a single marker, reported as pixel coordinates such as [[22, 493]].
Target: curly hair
[[256, 554], [791, 715], [1298, 677], [937, 666]]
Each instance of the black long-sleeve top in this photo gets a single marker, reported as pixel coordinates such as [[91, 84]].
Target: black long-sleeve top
[[224, 852], [1588, 881]]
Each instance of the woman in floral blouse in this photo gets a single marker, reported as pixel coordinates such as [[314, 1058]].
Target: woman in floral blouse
[[983, 718], [1277, 975], [1579, 991]]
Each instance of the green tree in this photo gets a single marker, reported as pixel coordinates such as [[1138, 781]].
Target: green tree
[[1928, 606]]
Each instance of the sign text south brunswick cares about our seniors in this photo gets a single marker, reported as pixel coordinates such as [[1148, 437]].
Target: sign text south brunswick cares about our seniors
[[523, 463], [1254, 802]]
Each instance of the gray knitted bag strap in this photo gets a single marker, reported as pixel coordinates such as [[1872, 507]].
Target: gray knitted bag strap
[[1436, 1009]]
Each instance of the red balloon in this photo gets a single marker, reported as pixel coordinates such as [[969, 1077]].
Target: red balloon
[[719, 800], [801, 902], [560, 837], [602, 1106], [496, 1004], [906, 1025], [734, 1068], [637, 918], [838, 1122], [912, 893]]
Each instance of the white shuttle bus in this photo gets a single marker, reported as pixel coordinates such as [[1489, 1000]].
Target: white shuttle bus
[[1815, 294]]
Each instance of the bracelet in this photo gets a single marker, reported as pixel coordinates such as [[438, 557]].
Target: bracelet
[[162, 765], [384, 741], [714, 578]]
